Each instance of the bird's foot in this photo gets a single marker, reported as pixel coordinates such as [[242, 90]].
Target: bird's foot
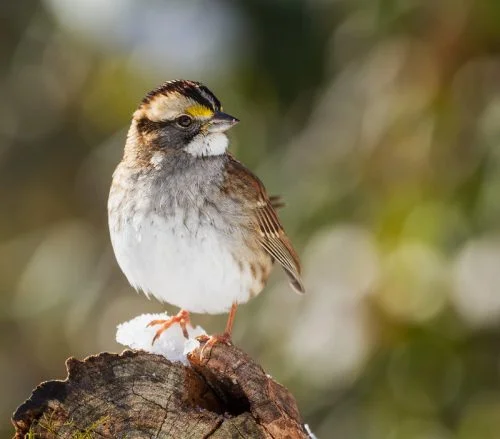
[[182, 318], [210, 340]]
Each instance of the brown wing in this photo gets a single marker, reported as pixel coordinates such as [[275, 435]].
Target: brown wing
[[271, 234]]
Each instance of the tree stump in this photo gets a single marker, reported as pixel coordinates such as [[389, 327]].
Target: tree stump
[[224, 394]]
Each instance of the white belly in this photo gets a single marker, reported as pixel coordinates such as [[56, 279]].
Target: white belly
[[191, 267]]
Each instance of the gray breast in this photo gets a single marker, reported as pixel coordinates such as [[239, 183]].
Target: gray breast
[[191, 186]]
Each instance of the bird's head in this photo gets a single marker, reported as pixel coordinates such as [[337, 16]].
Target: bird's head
[[182, 115]]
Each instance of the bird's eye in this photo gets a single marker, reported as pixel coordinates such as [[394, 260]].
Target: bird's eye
[[184, 121]]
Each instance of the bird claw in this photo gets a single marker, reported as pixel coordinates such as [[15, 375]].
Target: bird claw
[[182, 318], [210, 341]]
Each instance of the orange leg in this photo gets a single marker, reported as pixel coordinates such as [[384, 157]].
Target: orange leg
[[220, 338], [230, 321], [182, 318]]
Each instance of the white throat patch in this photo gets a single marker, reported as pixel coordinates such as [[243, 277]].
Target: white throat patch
[[210, 144]]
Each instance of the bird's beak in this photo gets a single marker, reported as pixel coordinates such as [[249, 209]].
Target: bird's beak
[[221, 122]]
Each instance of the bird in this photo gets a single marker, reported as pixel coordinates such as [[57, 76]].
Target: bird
[[190, 225]]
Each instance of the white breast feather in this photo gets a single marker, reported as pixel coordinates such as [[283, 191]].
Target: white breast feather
[[182, 263]]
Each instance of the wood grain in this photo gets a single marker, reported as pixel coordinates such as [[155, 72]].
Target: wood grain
[[224, 394]]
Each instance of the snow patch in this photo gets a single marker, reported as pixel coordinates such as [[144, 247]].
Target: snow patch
[[135, 334]]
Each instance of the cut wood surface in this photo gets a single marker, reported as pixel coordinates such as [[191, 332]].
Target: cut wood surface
[[224, 394]]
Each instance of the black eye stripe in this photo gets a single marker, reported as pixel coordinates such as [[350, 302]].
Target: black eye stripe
[[146, 126]]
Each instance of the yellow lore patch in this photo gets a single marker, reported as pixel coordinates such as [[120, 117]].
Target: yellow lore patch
[[199, 111]]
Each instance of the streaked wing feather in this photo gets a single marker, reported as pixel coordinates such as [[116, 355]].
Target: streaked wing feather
[[277, 244], [273, 238]]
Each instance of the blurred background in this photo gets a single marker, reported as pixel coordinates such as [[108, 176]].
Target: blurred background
[[376, 120]]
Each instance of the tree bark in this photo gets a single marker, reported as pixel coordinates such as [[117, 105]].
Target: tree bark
[[224, 394]]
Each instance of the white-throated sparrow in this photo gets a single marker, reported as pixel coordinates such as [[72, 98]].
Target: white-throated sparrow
[[190, 224]]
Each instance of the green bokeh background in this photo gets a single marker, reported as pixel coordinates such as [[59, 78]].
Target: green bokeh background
[[378, 121]]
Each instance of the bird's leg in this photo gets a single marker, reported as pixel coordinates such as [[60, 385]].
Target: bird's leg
[[220, 338], [230, 321], [182, 318]]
